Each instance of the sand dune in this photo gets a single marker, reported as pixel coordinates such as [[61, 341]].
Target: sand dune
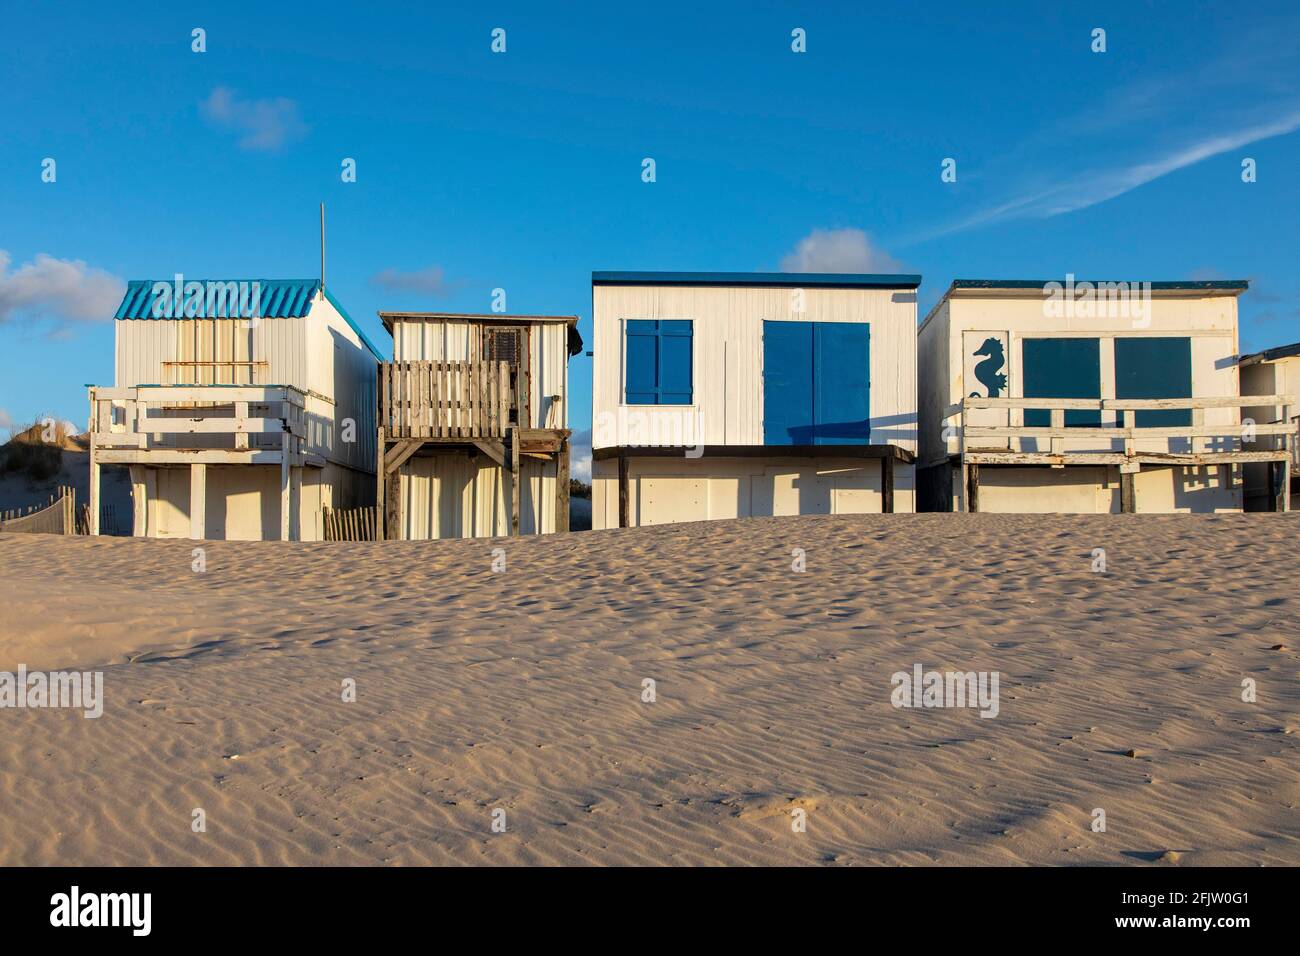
[[522, 691]]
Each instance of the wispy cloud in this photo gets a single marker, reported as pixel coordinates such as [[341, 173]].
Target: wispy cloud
[[57, 290], [838, 250], [263, 125], [427, 281]]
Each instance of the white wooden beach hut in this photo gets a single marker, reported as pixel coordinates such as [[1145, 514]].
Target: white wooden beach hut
[[1084, 397], [473, 436], [724, 395], [242, 408], [1274, 371]]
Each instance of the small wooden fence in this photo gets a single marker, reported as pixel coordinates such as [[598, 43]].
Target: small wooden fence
[[349, 524], [445, 399], [58, 516]]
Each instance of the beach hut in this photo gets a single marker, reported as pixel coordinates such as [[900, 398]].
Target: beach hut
[[724, 395], [242, 408], [1274, 371], [473, 436], [1084, 397]]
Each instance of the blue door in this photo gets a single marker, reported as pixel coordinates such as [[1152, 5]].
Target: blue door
[[816, 383]]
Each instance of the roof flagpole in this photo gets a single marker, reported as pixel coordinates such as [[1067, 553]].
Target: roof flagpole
[[322, 248]]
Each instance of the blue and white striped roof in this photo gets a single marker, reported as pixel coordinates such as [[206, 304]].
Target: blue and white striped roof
[[280, 298], [277, 299]]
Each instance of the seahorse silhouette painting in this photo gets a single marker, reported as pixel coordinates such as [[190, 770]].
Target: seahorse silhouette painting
[[989, 371]]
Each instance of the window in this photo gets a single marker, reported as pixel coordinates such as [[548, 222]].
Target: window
[[1155, 368], [659, 362], [1061, 368], [816, 383], [502, 345]]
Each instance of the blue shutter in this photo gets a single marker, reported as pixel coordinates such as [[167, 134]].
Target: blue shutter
[[1061, 368], [675, 362], [1155, 368], [841, 383], [788, 383], [659, 365]]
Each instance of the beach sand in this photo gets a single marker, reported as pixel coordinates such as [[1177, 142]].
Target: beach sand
[[521, 690]]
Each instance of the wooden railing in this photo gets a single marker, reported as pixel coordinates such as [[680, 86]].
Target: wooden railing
[[149, 418], [446, 399], [1226, 436]]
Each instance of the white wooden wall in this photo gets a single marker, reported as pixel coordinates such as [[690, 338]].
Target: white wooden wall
[[728, 358], [1210, 322]]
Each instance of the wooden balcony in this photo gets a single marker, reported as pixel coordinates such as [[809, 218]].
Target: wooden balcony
[[197, 424], [1123, 443], [455, 401]]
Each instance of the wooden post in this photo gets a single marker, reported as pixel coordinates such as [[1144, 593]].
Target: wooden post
[[139, 502], [1058, 422], [93, 519], [1277, 491], [972, 488], [624, 519], [241, 412], [514, 481], [379, 485], [562, 487], [393, 528], [286, 465], [198, 501], [1127, 491], [887, 484], [295, 503]]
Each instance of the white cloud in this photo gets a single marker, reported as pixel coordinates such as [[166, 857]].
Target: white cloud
[[838, 250], [429, 281], [6, 420], [580, 455], [262, 124], [58, 290], [1089, 188]]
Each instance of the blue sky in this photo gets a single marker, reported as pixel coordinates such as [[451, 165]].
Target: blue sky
[[522, 170]]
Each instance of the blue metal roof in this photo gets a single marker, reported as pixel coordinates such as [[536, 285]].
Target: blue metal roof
[[278, 299], [1206, 285], [833, 280]]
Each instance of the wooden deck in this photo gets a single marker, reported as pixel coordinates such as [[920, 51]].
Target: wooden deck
[[479, 405], [1128, 442]]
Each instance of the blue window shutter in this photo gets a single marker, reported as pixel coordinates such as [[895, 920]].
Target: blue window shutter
[[841, 383], [659, 363], [675, 369], [1155, 368], [1061, 368], [788, 383]]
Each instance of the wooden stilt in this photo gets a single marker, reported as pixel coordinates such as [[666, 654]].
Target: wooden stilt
[[379, 484], [887, 484], [198, 501], [514, 481], [562, 487], [1127, 492], [139, 502], [624, 519], [972, 488], [286, 458], [394, 530]]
